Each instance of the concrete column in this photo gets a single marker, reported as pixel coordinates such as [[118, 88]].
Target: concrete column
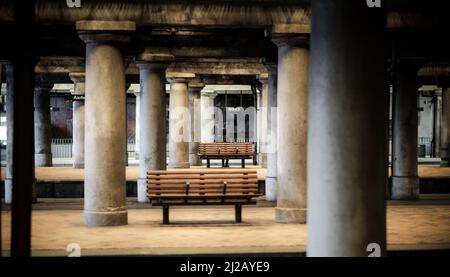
[[293, 60], [195, 89], [78, 119], [347, 130], [271, 178], [42, 124], [207, 111], [179, 121], [9, 132], [152, 119], [262, 121], [137, 125], [105, 184], [405, 180], [445, 128]]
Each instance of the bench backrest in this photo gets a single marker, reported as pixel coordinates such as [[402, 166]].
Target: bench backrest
[[226, 148], [202, 182]]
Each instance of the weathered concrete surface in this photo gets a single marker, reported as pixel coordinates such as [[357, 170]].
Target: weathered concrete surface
[[262, 120], [347, 157], [271, 180], [42, 124], [78, 118], [104, 201], [405, 182], [152, 118], [408, 227], [179, 121], [195, 106], [293, 66]]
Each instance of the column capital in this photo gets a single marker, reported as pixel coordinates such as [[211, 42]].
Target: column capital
[[97, 31], [290, 34], [147, 60], [263, 78], [176, 77], [209, 93], [196, 86], [271, 66], [42, 84], [77, 77]]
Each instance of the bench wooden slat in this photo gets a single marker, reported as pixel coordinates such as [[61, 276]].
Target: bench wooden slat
[[203, 181], [197, 176], [211, 195]]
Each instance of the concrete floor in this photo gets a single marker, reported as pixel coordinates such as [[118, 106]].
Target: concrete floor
[[62, 174], [424, 224]]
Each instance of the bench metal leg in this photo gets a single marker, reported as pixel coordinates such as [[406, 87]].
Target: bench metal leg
[[165, 214], [238, 213], [227, 163], [223, 162], [243, 163], [208, 164]]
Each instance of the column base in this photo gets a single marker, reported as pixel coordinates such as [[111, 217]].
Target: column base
[[44, 159], [142, 190], [271, 189], [405, 188], [262, 160], [194, 160], [179, 165], [97, 218], [8, 190], [290, 215], [78, 165]]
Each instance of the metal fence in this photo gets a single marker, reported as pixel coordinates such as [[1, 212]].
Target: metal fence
[[62, 148], [425, 146]]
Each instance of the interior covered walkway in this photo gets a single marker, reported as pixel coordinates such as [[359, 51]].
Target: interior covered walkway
[[422, 225]]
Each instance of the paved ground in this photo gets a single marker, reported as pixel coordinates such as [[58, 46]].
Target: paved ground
[[207, 230], [58, 174]]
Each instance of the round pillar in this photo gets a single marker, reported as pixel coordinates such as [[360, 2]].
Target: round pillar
[[137, 127], [207, 118], [179, 121], [293, 59], [405, 179], [262, 121], [78, 119], [42, 124], [271, 178], [10, 132], [105, 183], [152, 119], [347, 130], [195, 89]]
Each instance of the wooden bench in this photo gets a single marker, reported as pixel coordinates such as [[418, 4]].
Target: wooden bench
[[202, 187], [226, 151]]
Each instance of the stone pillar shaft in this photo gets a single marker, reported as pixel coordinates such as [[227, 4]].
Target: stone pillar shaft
[[271, 178], [207, 111], [293, 64], [152, 119], [42, 125], [78, 119], [196, 122], [347, 130], [179, 124], [10, 132], [105, 183], [262, 123], [445, 129], [405, 180]]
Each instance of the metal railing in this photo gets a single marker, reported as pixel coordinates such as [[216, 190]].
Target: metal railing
[[62, 148]]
